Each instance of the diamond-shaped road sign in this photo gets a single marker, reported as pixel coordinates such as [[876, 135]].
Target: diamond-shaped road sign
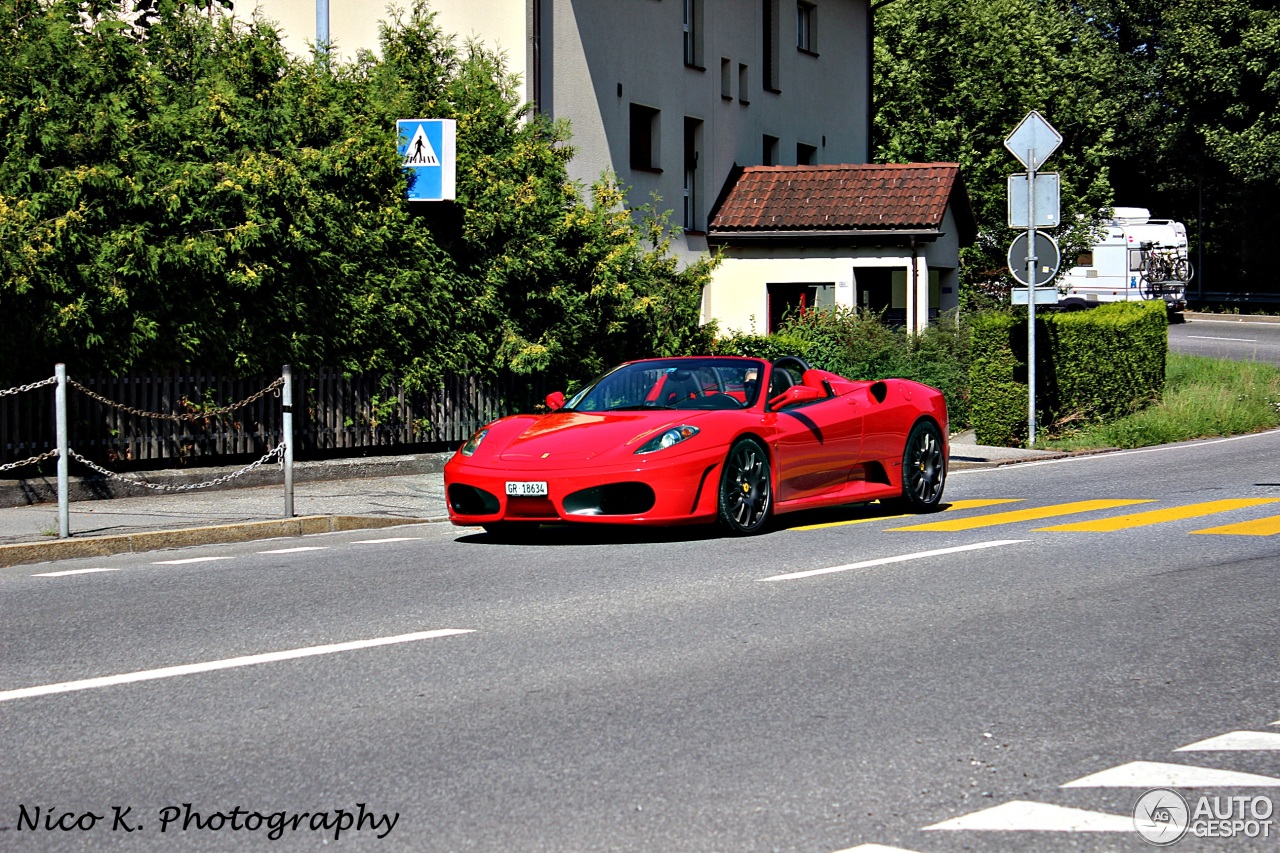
[[1033, 140]]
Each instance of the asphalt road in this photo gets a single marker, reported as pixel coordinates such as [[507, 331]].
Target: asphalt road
[[674, 691], [1236, 340]]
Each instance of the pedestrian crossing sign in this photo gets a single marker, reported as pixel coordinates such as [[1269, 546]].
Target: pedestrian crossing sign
[[428, 151]]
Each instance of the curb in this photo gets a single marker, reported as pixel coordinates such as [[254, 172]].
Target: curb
[[134, 543], [1231, 318], [979, 464]]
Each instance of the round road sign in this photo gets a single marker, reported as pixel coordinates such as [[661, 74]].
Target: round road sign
[[1048, 258]]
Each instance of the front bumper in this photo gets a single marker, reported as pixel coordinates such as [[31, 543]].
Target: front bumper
[[678, 490]]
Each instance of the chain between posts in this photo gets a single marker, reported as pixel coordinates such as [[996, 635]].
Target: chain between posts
[[31, 387], [161, 487], [186, 416], [34, 460]]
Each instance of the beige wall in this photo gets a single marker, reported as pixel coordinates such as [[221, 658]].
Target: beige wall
[[353, 24]]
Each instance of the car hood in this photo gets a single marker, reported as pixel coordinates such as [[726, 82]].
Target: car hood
[[576, 436]]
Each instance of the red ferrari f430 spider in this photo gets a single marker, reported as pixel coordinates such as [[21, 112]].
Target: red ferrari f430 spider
[[684, 440]]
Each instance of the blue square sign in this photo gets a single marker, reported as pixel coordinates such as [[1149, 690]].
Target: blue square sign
[[428, 150]]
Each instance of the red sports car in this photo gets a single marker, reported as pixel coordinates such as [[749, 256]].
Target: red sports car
[[684, 440]]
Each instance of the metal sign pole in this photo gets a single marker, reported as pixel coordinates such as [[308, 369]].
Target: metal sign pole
[[1031, 301]]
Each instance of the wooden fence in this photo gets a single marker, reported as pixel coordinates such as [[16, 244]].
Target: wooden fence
[[334, 415]]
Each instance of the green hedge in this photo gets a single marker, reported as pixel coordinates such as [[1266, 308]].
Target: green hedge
[[1090, 366], [998, 379]]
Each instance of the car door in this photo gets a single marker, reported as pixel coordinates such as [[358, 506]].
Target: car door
[[816, 445]]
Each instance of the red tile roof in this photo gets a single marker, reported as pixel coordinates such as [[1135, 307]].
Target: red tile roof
[[908, 197]]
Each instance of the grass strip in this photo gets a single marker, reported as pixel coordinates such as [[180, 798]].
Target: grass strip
[[1203, 397]]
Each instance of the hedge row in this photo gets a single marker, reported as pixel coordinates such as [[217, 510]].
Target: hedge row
[[1090, 365]]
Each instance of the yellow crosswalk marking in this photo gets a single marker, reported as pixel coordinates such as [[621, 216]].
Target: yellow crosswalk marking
[[1261, 527], [1159, 516], [1034, 514], [954, 505]]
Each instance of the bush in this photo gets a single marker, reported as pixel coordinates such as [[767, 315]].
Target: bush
[[860, 346]]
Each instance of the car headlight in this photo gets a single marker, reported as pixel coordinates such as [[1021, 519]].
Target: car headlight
[[666, 439], [474, 442]]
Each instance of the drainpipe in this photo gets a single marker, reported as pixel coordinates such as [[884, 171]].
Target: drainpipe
[[913, 300]]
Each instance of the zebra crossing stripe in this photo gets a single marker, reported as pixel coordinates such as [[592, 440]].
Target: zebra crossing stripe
[[1024, 816], [1236, 742], [952, 507], [1269, 526], [1014, 516], [1152, 774], [1159, 516]]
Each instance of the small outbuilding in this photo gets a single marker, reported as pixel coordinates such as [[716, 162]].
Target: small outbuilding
[[885, 238]]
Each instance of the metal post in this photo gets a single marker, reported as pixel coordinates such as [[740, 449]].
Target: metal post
[[287, 399], [322, 24], [1031, 300], [60, 408]]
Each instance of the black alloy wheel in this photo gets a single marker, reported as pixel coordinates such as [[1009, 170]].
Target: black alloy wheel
[[746, 490], [924, 472]]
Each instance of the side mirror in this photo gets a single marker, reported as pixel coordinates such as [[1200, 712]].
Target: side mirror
[[555, 401], [796, 394]]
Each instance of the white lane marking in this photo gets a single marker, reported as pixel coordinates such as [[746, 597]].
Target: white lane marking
[[71, 572], [1153, 774], [296, 550], [1216, 338], [1113, 454], [875, 848], [1276, 723], [1024, 816], [1235, 742], [228, 663], [884, 561], [189, 560], [380, 541]]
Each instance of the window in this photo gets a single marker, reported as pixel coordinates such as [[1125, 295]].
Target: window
[[769, 55], [644, 138], [806, 155], [726, 79], [693, 33], [744, 90], [769, 151], [806, 15], [692, 140], [787, 301]]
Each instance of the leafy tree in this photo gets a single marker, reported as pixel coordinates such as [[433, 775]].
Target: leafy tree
[[176, 189], [1200, 138], [952, 80]]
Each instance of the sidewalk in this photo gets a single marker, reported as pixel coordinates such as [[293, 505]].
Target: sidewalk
[[328, 496]]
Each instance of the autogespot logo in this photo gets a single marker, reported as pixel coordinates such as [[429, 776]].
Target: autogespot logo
[[1161, 816]]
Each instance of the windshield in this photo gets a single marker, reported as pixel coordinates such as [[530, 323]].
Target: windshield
[[684, 383]]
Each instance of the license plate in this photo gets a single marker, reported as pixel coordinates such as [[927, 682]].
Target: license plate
[[527, 489]]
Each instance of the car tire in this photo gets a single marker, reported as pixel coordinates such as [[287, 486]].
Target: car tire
[[511, 531], [746, 489], [924, 469]]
